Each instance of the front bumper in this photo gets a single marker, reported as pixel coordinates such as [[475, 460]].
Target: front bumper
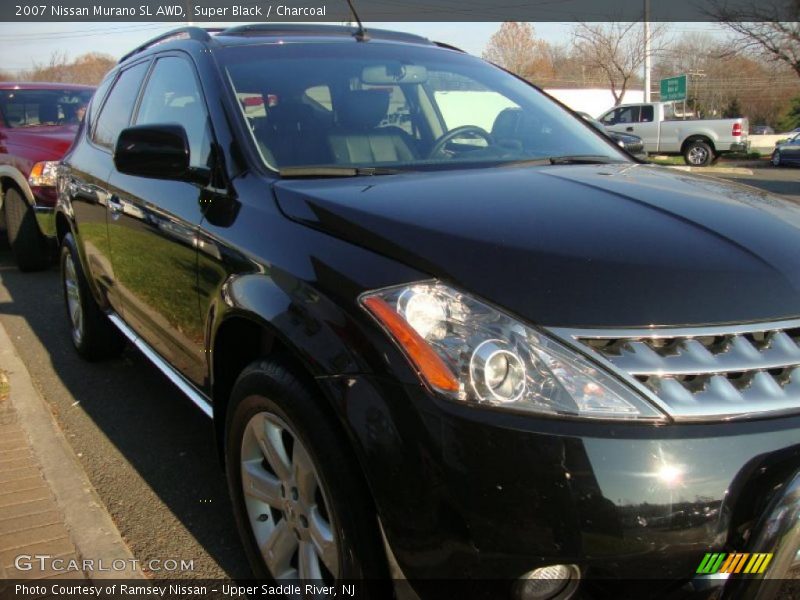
[[468, 493]]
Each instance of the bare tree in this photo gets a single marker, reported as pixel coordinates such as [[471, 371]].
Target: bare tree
[[514, 47], [88, 68], [768, 27], [615, 49]]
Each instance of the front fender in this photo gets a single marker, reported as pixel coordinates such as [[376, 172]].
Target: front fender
[[313, 327]]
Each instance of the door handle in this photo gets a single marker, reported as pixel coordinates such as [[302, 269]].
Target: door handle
[[629, 129]]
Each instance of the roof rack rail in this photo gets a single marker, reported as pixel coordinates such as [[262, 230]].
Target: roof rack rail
[[201, 34], [449, 47], [301, 29]]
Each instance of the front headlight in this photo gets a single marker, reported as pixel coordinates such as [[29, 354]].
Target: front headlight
[[473, 353], [43, 174]]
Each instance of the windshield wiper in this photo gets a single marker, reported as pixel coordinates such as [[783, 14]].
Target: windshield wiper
[[576, 159], [298, 172], [582, 159]]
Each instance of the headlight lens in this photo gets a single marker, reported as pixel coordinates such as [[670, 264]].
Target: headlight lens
[[486, 357], [43, 174]]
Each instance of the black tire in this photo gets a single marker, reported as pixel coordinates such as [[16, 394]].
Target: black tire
[[698, 154], [776, 159], [95, 338], [266, 387], [30, 248]]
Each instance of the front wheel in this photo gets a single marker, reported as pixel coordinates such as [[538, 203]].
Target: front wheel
[[698, 154], [776, 158], [301, 506]]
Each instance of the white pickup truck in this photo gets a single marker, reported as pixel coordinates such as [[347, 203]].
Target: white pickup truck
[[700, 141]]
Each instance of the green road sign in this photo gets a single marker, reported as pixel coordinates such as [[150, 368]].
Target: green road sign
[[673, 88]]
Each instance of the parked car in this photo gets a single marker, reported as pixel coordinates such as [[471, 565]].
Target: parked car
[[631, 143], [533, 364], [787, 152], [700, 141], [762, 130], [38, 122]]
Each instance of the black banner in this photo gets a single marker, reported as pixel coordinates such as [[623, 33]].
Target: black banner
[[373, 11]]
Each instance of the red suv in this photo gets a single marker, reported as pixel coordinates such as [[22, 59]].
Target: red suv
[[38, 122]]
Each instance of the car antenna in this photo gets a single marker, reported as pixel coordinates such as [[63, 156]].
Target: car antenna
[[361, 33]]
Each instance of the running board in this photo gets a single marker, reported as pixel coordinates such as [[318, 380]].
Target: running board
[[176, 378]]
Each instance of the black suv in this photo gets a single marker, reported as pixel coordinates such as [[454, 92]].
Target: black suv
[[442, 325]]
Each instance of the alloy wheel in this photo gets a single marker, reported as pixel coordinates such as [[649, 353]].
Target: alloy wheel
[[698, 155], [73, 293], [776, 159], [287, 505]]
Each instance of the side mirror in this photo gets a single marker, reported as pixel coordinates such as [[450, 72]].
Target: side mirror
[[157, 151]]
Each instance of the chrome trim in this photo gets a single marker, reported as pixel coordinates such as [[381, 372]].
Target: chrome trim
[[176, 378], [656, 332], [731, 374]]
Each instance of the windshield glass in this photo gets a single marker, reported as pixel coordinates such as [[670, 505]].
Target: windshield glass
[[36, 108], [404, 107]]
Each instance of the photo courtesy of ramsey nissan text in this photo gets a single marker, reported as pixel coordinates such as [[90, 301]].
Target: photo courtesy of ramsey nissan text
[[400, 300]]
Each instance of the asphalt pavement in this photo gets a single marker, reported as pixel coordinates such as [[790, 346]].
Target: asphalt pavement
[[147, 450]]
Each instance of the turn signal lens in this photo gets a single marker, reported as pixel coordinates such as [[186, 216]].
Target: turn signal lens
[[431, 367], [43, 174]]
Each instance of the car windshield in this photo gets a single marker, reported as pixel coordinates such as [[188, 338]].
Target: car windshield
[[384, 106], [36, 108]]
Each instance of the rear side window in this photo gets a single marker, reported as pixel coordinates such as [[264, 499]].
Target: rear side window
[[116, 112], [172, 95], [647, 114]]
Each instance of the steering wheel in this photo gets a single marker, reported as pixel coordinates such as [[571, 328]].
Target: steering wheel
[[443, 140]]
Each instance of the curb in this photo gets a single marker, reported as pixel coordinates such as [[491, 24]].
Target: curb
[[90, 526]]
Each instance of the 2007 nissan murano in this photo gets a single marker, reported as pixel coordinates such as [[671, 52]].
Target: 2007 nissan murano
[[444, 328]]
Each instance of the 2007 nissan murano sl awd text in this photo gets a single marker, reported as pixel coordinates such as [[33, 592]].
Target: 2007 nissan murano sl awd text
[[445, 329]]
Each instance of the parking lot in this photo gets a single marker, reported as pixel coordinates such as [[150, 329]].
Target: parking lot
[[147, 450]]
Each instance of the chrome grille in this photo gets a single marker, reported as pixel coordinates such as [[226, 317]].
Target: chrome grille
[[705, 371]]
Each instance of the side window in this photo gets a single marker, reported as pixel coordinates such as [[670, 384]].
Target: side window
[[319, 97], [172, 95], [647, 114], [453, 93], [116, 112], [97, 101], [610, 117], [627, 114]]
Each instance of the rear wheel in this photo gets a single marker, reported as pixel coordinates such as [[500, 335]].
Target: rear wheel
[[698, 154], [93, 335], [301, 507], [30, 248]]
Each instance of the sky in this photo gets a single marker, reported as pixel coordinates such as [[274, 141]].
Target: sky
[[23, 44]]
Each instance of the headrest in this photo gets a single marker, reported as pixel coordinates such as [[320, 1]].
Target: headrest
[[507, 123], [289, 114], [48, 113], [363, 109]]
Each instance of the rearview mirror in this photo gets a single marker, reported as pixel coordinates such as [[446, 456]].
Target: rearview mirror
[[157, 151], [394, 73]]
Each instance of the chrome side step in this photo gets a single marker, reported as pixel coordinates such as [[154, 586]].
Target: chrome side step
[[187, 388]]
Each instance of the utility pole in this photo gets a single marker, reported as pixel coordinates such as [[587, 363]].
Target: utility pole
[[647, 50]]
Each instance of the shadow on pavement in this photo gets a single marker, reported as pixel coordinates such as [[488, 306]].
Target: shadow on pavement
[[149, 452]]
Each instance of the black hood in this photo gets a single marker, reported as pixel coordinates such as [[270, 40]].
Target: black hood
[[591, 245]]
